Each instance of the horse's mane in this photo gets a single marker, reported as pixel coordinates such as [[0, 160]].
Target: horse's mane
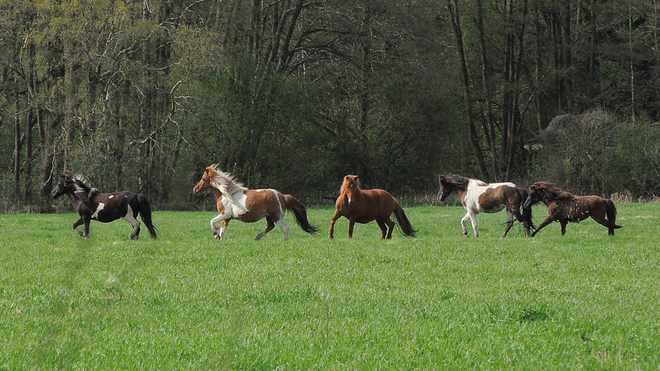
[[219, 179], [82, 190], [457, 181], [554, 193]]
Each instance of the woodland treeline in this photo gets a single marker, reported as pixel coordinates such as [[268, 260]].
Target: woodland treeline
[[295, 94]]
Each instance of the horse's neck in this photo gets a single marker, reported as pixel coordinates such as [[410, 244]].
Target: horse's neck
[[461, 193], [218, 194], [353, 195], [74, 199]]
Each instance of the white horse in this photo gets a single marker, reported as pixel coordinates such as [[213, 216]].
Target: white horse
[[477, 196]]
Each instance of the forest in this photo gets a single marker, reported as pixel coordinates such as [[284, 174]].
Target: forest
[[295, 94]]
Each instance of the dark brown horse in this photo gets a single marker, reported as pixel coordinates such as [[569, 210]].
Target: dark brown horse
[[564, 207], [234, 201], [477, 196], [368, 205], [104, 207]]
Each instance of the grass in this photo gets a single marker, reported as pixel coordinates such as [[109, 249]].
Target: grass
[[438, 301]]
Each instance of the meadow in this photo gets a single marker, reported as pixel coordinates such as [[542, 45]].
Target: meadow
[[438, 301]]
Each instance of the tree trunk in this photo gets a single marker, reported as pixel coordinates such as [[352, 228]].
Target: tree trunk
[[452, 7]]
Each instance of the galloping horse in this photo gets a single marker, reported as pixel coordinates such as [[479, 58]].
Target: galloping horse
[[477, 196], [104, 207], [565, 207], [364, 206], [234, 201]]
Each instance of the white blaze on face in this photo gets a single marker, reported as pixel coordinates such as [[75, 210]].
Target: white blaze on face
[[98, 209]]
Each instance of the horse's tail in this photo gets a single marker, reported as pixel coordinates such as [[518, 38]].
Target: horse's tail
[[611, 215], [300, 212], [145, 213], [526, 211], [403, 221]]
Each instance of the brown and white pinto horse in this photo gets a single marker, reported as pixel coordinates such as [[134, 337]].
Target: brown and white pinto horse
[[368, 205], [234, 201], [477, 196], [104, 207], [565, 207]]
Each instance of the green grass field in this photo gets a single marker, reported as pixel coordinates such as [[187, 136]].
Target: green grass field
[[439, 301]]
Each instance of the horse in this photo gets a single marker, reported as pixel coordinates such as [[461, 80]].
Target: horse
[[477, 196], [364, 206], [104, 207], [565, 207], [235, 201]]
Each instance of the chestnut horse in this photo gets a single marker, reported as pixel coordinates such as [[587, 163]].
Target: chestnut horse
[[565, 207], [234, 201], [477, 196], [364, 206], [104, 207]]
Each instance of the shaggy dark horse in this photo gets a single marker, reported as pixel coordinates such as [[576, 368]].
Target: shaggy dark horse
[[564, 207], [368, 205], [104, 207]]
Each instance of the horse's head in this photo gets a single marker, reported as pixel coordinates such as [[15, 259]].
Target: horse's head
[[65, 183], [533, 198], [351, 184], [445, 188], [204, 185], [544, 191]]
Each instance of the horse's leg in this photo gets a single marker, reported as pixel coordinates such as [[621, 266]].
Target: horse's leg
[[563, 226], [521, 219], [214, 225], [390, 224], [332, 223], [383, 228], [509, 222], [269, 227], [223, 230], [464, 224], [134, 222], [86, 221], [77, 224], [284, 228], [475, 224], [602, 221], [351, 225], [547, 221]]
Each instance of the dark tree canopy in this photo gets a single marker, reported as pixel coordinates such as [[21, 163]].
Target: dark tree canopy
[[295, 94]]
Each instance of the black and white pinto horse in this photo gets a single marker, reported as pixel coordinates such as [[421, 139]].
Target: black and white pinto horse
[[104, 207], [477, 196]]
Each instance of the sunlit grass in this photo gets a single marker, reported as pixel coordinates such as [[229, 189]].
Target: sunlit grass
[[187, 301]]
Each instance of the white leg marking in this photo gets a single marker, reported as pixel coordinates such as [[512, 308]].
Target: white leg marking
[[464, 223], [475, 225], [214, 223], [284, 227]]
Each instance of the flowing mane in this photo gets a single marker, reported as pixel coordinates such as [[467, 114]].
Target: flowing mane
[[84, 192], [457, 181], [221, 180], [553, 193]]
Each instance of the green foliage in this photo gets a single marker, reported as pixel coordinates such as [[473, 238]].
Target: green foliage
[[595, 153], [585, 300]]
